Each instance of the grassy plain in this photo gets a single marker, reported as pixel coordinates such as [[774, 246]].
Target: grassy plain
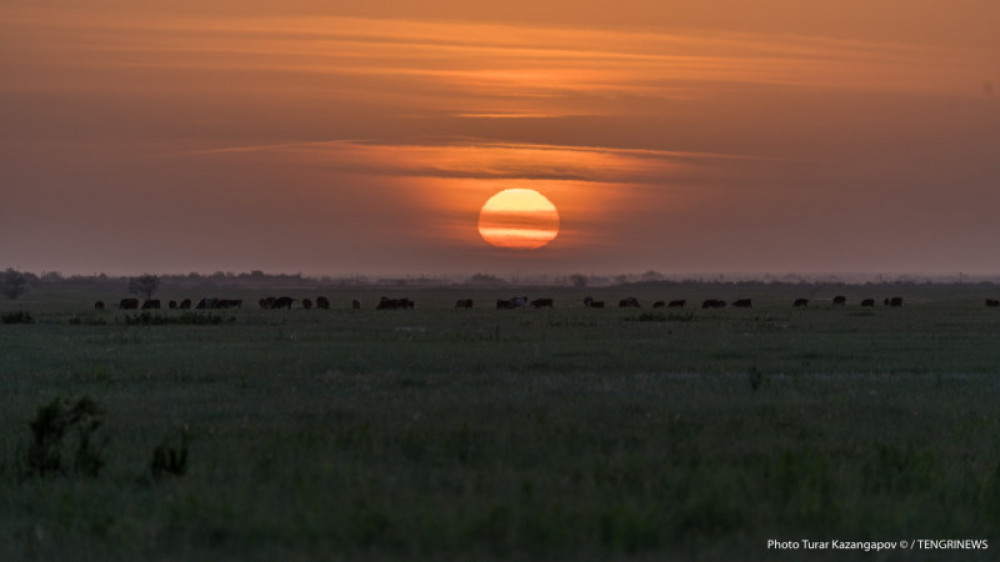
[[564, 434]]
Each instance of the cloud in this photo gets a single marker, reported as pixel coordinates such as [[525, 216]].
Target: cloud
[[466, 66]]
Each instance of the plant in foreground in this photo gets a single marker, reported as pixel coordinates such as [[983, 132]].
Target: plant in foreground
[[755, 377], [170, 456], [19, 317], [49, 429]]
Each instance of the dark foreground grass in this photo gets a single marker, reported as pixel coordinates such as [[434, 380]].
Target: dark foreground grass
[[551, 435]]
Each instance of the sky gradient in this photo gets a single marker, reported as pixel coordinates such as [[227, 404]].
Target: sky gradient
[[855, 136]]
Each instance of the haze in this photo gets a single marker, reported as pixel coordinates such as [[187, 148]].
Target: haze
[[343, 137]]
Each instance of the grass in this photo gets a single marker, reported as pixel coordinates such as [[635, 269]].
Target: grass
[[566, 434]]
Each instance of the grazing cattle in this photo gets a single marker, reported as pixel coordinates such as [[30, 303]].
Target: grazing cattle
[[385, 303], [840, 300], [463, 303], [542, 303], [307, 304], [266, 303], [185, 304], [992, 303], [713, 303], [896, 302], [800, 303], [679, 303], [207, 304], [515, 302], [151, 304], [743, 303], [630, 302], [128, 304], [591, 303], [885, 301], [322, 303], [659, 304], [172, 305], [99, 305], [228, 303], [283, 302], [868, 302], [355, 304]]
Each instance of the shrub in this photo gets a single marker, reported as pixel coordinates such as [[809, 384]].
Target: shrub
[[755, 377], [652, 317], [188, 318], [170, 456], [19, 317], [87, 321], [49, 428]]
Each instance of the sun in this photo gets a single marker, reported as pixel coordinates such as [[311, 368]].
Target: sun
[[520, 219]]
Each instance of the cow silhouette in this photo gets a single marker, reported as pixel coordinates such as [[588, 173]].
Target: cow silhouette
[[511, 303], [629, 302], [386, 303]]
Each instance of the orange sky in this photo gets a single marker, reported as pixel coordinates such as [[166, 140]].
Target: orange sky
[[364, 138]]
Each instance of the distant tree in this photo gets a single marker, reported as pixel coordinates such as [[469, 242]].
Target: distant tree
[[578, 280], [14, 283], [486, 280], [652, 275], [144, 285]]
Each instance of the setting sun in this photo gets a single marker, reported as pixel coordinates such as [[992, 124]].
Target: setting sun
[[520, 219]]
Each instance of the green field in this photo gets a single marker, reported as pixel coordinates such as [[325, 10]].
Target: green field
[[563, 434]]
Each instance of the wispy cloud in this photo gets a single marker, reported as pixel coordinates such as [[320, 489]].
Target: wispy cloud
[[490, 160], [467, 67]]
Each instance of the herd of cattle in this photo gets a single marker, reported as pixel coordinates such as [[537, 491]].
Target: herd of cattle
[[386, 303]]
